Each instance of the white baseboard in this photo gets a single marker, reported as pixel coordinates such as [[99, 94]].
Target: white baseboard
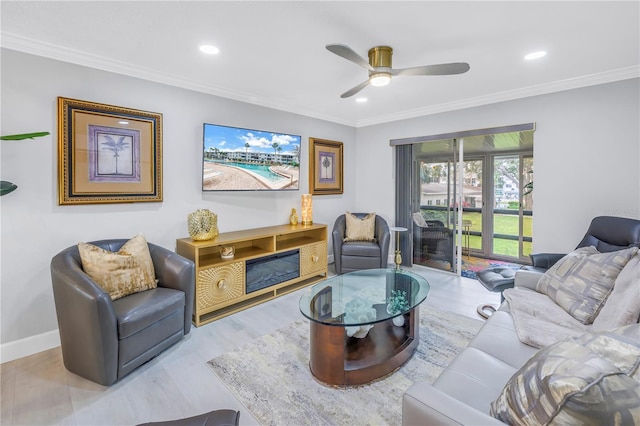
[[29, 346]]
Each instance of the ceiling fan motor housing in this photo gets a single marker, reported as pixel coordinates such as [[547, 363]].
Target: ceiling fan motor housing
[[380, 56]]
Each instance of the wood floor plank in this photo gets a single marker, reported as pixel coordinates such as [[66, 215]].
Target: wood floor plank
[[7, 391], [38, 390], [41, 394]]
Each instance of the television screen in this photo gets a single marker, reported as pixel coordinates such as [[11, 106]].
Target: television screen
[[236, 159]]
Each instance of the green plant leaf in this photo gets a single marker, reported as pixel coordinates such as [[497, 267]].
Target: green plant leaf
[[7, 187], [23, 136]]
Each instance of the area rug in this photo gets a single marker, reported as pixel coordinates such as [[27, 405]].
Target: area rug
[[470, 266], [271, 376]]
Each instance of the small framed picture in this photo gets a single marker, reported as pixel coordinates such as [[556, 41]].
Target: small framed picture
[[326, 167], [108, 154]]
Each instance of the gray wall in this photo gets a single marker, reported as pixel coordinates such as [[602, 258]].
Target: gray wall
[[586, 156], [586, 161], [35, 228]]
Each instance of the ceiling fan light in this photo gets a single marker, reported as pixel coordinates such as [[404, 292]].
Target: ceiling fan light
[[380, 79]]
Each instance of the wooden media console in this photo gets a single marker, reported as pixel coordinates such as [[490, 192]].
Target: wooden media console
[[221, 284]]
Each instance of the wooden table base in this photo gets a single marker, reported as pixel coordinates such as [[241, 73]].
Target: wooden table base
[[337, 359]]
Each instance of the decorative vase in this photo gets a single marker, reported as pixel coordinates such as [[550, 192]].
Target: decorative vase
[[202, 225], [227, 252], [293, 219], [398, 321]]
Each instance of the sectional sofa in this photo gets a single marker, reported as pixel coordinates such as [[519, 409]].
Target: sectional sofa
[[498, 372]]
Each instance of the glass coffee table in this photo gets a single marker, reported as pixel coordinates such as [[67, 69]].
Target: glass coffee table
[[363, 325]]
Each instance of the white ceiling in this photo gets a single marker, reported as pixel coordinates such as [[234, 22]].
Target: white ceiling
[[273, 53]]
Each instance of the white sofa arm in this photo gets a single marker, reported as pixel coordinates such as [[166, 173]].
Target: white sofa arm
[[423, 404], [527, 279]]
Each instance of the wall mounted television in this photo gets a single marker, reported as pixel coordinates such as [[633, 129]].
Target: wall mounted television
[[238, 159]]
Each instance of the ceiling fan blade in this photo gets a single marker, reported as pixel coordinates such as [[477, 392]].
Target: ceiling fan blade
[[439, 69], [355, 90], [348, 53]]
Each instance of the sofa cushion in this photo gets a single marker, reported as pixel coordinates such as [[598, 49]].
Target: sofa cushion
[[589, 379], [581, 281], [361, 248], [623, 304], [360, 229], [143, 309], [127, 271], [499, 339], [475, 377]]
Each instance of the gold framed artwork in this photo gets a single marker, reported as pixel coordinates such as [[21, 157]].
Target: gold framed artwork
[[326, 167], [108, 154]]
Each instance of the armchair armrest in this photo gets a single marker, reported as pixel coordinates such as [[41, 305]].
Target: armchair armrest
[[337, 236], [527, 279], [545, 260], [176, 272], [423, 404], [86, 320], [384, 240]]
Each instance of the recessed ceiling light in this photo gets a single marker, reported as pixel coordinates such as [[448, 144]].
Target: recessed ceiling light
[[123, 122], [361, 100], [535, 55], [209, 49]]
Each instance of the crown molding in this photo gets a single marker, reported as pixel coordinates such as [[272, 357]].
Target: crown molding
[[51, 51], [525, 92], [48, 50]]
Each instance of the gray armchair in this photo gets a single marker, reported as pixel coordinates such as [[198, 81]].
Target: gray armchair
[[356, 255], [103, 340]]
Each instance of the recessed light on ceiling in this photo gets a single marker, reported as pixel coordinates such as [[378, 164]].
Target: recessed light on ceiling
[[123, 122], [209, 49], [361, 100], [535, 55]]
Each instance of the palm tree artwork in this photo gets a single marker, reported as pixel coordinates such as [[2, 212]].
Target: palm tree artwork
[[326, 163], [116, 147]]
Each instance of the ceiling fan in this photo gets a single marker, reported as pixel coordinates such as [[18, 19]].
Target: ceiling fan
[[380, 70]]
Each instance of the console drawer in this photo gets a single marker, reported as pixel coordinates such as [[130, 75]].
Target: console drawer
[[219, 284], [313, 258]]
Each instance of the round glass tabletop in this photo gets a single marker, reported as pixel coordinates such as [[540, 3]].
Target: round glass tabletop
[[363, 297]]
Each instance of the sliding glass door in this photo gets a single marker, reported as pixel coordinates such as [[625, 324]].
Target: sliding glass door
[[512, 213], [439, 204], [434, 242], [465, 197]]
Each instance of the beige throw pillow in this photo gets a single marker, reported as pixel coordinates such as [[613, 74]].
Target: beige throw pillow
[[591, 379], [623, 304], [128, 271], [581, 281], [360, 229]]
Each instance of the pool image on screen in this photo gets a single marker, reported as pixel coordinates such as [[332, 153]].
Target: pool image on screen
[[238, 159]]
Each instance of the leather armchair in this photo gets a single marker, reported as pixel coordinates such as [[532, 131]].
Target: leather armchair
[[103, 340], [606, 233], [356, 255], [432, 240]]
